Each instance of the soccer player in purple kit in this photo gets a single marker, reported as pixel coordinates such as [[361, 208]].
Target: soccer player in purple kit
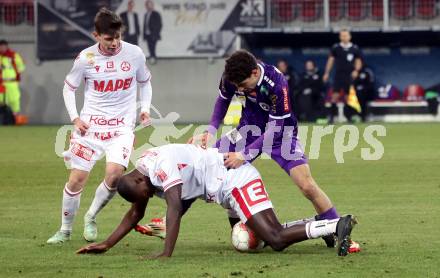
[[267, 107]]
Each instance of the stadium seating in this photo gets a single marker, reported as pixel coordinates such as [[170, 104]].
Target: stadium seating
[[413, 92], [377, 9], [29, 11], [357, 10], [284, 10], [402, 9], [426, 9], [311, 10], [388, 93], [289, 11], [336, 9], [15, 12], [11, 12]]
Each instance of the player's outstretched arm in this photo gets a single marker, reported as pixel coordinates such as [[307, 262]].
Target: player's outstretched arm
[[131, 218], [174, 215]]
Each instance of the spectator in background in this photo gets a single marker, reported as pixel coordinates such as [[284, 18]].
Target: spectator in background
[[288, 73], [346, 57], [11, 68], [432, 97], [131, 24], [309, 97], [364, 85], [152, 28], [292, 79], [414, 92]]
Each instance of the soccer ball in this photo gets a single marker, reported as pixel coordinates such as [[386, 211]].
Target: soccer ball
[[244, 239]]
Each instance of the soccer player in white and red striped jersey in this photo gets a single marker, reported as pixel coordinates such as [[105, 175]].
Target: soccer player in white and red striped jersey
[[179, 172], [112, 71]]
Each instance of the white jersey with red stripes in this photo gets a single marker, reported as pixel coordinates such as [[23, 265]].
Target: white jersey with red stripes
[[110, 85], [194, 167], [201, 171], [203, 175]]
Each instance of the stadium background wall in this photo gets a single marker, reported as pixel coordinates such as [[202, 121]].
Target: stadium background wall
[[185, 86]]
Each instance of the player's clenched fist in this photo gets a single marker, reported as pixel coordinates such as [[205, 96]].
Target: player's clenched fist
[[95, 248], [80, 126], [145, 119]]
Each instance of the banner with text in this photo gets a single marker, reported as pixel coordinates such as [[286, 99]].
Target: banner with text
[[162, 28]]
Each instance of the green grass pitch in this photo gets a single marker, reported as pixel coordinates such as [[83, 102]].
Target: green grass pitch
[[396, 199]]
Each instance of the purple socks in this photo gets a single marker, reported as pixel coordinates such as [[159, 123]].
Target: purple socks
[[329, 214]]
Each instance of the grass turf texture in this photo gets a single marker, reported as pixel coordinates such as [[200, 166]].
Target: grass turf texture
[[396, 199]]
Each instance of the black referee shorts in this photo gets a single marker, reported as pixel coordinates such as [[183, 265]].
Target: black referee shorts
[[341, 85]]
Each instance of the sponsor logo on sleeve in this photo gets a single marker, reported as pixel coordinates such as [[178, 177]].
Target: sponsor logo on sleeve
[[161, 175], [269, 81], [286, 100], [273, 99], [90, 56]]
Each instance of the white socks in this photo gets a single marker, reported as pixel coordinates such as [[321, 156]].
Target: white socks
[[316, 229], [298, 222], [103, 195], [71, 201], [70, 206]]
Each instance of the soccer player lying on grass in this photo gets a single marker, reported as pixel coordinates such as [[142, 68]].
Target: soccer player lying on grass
[[179, 172]]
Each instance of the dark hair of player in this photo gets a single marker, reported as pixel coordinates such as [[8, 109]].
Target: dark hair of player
[[107, 22], [3, 42], [126, 188], [239, 66]]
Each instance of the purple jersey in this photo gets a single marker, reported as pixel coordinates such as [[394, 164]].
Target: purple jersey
[[269, 100], [268, 107]]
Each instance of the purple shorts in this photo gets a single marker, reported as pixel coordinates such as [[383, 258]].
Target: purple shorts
[[287, 152]]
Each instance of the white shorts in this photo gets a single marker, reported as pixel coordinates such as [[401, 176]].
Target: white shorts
[[85, 150], [245, 194]]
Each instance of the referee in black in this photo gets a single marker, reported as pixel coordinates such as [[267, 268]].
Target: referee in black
[[347, 59]]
